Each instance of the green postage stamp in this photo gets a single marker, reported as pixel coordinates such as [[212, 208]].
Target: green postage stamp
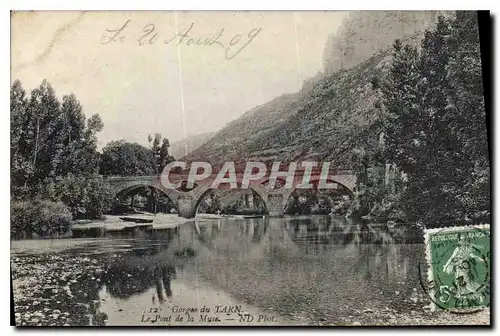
[[459, 270]]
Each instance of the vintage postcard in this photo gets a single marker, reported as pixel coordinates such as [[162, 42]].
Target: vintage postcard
[[246, 168]]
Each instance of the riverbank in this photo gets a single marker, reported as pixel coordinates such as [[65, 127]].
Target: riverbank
[[51, 290], [114, 224], [69, 290], [307, 271], [214, 216], [389, 317]]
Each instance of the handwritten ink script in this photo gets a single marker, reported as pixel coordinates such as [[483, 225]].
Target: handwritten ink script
[[231, 45], [216, 314]]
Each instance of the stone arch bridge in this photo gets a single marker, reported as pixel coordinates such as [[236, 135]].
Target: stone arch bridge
[[187, 202]]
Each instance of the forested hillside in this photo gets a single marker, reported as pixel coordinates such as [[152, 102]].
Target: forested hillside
[[323, 121], [415, 112], [334, 111]]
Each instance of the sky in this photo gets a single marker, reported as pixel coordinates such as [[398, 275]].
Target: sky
[[174, 73]]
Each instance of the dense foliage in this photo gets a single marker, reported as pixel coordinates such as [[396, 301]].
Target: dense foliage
[[317, 202], [86, 196], [233, 202], [40, 217], [54, 157], [122, 158], [433, 132], [49, 138]]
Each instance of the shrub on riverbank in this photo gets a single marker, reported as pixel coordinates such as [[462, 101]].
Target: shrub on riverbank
[[429, 162], [86, 196], [38, 217]]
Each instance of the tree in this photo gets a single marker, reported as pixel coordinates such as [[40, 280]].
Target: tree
[[131, 159], [210, 203], [21, 168], [49, 138], [164, 157], [160, 154], [53, 158], [435, 130], [467, 102], [79, 151], [160, 158], [123, 158]]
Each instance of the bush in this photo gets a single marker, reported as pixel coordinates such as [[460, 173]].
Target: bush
[[86, 196], [41, 217]]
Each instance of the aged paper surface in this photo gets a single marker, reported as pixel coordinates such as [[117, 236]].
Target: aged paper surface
[[249, 168]]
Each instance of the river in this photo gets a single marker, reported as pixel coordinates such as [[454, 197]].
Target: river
[[304, 270]]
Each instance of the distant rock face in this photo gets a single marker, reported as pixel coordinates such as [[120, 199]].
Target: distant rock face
[[323, 122], [178, 149], [335, 112], [364, 33]]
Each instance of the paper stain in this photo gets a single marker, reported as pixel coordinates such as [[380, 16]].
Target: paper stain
[[56, 38]]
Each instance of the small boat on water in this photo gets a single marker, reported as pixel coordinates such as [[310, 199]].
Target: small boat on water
[[136, 219]]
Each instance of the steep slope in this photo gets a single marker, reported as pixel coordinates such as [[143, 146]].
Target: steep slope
[[335, 111], [364, 33], [234, 136], [324, 121]]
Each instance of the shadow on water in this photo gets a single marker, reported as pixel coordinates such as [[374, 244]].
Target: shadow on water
[[292, 266], [305, 261], [241, 233], [129, 268], [134, 273], [342, 231], [235, 249]]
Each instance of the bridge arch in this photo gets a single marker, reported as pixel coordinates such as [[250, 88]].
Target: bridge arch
[[341, 182], [187, 201], [123, 187], [255, 190]]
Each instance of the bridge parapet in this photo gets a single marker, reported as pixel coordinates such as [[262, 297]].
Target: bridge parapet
[[187, 201]]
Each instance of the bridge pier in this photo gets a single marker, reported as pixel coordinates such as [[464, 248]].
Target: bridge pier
[[275, 205], [186, 202], [186, 206]]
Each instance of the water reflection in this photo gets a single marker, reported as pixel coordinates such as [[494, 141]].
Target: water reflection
[[290, 265], [376, 250], [342, 231], [228, 234], [135, 273], [292, 253], [123, 281]]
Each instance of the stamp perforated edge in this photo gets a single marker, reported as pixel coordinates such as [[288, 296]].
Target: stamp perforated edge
[[427, 234]]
